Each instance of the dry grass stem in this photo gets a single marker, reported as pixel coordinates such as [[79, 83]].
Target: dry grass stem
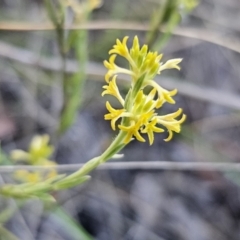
[[150, 165]]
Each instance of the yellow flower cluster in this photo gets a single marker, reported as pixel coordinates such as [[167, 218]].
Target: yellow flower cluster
[[38, 154], [138, 108]]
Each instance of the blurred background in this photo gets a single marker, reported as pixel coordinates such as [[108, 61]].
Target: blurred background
[[51, 78]]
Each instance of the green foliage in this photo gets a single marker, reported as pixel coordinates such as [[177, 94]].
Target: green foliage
[[75, 43]]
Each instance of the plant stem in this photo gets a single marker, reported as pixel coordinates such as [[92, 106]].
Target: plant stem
[[110, 151], [90, 165]]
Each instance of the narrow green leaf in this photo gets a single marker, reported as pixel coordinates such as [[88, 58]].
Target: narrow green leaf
[[70, 183]]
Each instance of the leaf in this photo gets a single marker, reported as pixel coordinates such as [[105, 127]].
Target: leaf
[[69, 183], [46, 197]]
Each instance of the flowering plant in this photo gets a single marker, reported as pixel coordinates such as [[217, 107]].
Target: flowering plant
[[137, 113], [138, 108], [38, 153]]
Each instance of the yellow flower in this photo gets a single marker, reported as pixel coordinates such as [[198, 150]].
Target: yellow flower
[[120, 48], [138, 113], [173, 63], [114, 69], [26, 176], [136, 53], [171, 123], [132, 130], [164, 94], [136, 124], [141, 60], [113, 115], [144, 103], [39, 150], [112, 89], [36, 176], [38, 153], [151, 64], [20, 155], [150, 128]]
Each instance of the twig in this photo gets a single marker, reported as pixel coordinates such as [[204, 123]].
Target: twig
[[200, 34], [150, 165]]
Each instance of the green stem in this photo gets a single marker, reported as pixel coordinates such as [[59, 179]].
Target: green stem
[[81, 176], [112, 149], [157, 21], [172, 23], [89, 166], [73, 85]]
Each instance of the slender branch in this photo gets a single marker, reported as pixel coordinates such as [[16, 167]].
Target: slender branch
[[150, 165], [200, 34]]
